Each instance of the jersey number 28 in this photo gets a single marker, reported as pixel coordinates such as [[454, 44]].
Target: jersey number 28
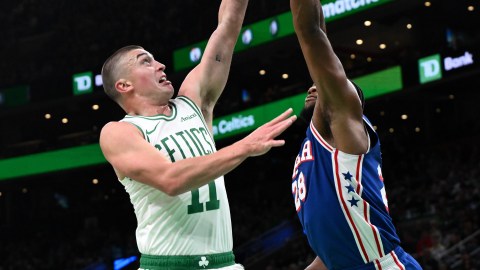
[[299, 191]]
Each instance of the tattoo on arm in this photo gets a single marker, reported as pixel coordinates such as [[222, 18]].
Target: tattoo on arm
[[217, 58]]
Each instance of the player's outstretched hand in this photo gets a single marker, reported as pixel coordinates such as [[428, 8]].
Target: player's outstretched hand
[[263, 139]]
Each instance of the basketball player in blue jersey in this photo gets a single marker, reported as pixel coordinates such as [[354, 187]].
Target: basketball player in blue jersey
[[164, 154], [337, 181]]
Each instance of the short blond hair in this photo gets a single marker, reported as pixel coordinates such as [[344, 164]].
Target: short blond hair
[[112, 69]]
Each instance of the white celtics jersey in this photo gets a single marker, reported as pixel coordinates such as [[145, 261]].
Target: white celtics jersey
[[192, 223]]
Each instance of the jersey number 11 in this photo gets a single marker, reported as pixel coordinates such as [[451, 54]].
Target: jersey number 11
[[212, 204]]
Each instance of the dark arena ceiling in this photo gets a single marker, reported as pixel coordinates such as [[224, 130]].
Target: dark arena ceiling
[[45, 42]]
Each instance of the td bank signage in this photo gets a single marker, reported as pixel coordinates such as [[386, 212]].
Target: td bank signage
[[432, 68], [83, 83]]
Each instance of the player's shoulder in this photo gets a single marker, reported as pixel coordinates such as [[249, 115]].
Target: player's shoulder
[[114, 125], [116, 129], [186, 99]]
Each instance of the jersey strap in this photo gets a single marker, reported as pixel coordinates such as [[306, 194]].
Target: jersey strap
[[208, 261]]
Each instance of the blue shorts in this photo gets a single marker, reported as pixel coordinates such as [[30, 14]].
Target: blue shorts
[[397, 259]]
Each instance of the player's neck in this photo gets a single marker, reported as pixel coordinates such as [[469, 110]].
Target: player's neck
[[164, 109], [151, 110]]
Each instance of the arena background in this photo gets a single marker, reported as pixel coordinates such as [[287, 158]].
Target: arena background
[[67, 211]]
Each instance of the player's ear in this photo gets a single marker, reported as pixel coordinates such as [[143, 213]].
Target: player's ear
[[123, 85]]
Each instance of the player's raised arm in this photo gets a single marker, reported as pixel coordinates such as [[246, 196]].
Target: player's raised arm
[[205, 83], [338, 110], [132, 156]]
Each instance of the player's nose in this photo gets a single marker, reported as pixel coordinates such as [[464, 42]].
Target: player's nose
[[160, 66]]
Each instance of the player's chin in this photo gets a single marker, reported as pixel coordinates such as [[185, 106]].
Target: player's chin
[[307, 113], [310, 102], [168, 88]]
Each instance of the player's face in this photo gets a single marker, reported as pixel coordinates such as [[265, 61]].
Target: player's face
[[310, 100], [147, 75]]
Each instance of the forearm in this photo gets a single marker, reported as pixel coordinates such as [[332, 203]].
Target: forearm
[[131, 156], [322, 19], [188, 174], [231, 15], [210, 77], [309, 23], [308, 18]]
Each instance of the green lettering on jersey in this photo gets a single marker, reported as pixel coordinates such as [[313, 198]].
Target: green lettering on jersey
[[178, 146], [180, 133], [193, 131], [212, 204], [169, 151], [194, 142], [204, 132], [196, 206], [193, 134]]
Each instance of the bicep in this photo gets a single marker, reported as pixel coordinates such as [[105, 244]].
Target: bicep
[[338, 104], [336, 94], [130, 155]]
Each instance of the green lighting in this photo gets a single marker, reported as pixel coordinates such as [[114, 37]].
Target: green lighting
[[375, 84], [58, 160], [250, 119], [271, 29], [380, 82]]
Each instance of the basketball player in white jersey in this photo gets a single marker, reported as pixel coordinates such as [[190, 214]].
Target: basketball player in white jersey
[[164, 154]]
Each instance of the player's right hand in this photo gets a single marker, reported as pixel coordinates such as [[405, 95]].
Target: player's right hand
[[263, 139]]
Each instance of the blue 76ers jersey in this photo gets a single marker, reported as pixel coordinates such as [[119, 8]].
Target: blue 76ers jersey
[[341, 202]]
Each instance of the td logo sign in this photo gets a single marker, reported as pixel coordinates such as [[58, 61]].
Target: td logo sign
[[430, 68], [82, 83]]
